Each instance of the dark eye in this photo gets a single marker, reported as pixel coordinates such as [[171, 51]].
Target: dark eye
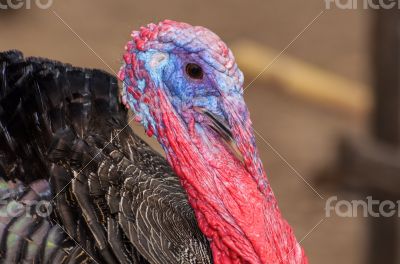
[[194, 71]]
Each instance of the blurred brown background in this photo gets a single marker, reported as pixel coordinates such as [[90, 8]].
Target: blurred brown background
[[304, 133]]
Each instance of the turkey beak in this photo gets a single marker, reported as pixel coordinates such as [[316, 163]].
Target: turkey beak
[[222, 128]]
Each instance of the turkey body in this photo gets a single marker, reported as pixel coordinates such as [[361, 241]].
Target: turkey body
[[65, 140]]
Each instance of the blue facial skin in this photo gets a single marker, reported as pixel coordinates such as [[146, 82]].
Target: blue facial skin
[[167, 71], [186, 92]]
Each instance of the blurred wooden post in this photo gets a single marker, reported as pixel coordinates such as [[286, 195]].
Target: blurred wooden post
[[386, 61], [384, 240], [371, 166]]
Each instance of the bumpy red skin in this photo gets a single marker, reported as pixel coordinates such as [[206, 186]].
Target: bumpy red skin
[[233, 202]]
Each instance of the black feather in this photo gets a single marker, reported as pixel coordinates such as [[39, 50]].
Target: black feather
[[119, 200]]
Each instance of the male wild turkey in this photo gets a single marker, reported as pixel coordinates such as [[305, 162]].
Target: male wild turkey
[[65, 140]]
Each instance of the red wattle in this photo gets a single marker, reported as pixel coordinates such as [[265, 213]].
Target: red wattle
[[243, 224]]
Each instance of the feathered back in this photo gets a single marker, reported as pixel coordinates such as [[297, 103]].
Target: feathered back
[[63, 129], [43, 99]]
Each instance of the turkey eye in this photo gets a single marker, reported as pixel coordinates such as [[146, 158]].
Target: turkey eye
[[194, 71]]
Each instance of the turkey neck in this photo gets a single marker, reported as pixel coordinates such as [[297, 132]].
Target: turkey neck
[[241, 221]]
